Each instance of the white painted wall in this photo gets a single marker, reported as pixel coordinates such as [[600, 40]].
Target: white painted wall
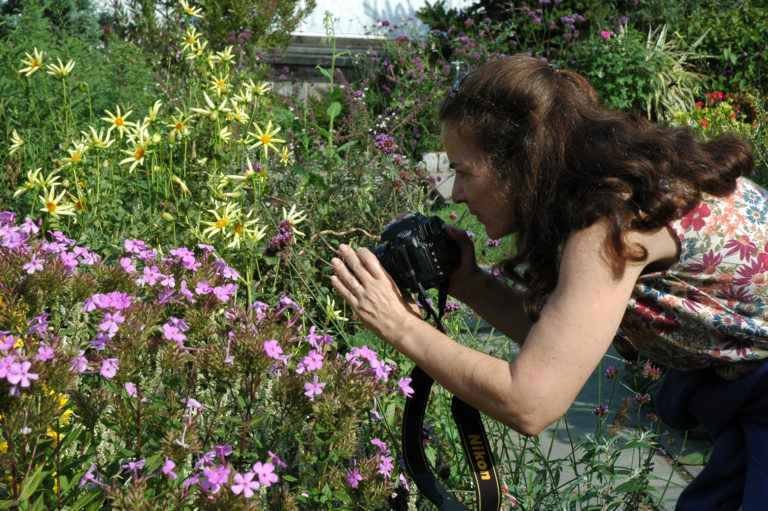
[[353, 16]]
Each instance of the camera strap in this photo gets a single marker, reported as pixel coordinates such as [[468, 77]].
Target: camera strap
[[474, 440]]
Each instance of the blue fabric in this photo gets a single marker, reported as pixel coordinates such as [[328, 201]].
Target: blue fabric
[[736, 415]]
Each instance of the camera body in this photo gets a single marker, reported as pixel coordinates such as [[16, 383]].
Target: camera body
[[418, 250]]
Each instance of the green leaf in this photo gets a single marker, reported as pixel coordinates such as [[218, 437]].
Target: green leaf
[[5, 504], [289, 478], [324, 72], [31, 483], [347, 145], [333, 109], [87, 498]]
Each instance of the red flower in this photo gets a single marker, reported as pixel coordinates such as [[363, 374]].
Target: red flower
[[708, 265], [696, 217]]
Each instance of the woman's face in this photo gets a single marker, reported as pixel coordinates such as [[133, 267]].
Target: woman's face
[[477, 184]]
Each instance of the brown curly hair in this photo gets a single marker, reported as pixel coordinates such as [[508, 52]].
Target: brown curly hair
[[570, 161]]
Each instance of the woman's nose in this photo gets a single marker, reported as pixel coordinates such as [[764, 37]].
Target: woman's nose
[[457, 192]]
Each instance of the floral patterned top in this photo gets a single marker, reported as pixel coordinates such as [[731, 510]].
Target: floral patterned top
[[710, 307]]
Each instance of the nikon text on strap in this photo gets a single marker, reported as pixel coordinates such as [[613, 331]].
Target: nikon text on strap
[[473, 439]]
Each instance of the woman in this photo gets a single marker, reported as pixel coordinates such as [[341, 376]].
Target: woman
[[621, 225]]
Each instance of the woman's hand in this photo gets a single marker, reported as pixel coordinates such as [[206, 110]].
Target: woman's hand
[[372, 293], [463, 281]]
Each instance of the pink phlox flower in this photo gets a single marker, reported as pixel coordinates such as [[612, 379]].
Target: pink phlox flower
[[7, 341], [59, 237], [7, 218], [605, 34], [29, 227], [111, 323], [33, 265], [353, 476], [101, 341], [186, 293], [405, 386], [151, 274], [88, 258], [167, 280], [131, 389], [375, 412], [206, 459], [404, 482], [385, 466], [69, 260], [312, 362], [193, 404], [109, 368], [187, 258], [280, 463], [381, 446], [207, 249], [203, 288], [11, 238], [225, 293], [273, 349], [261, 310], [38, 325], [18, 374], [382, 370], [313, 388], [742, 245], [127, 264], [167, 469], [119, 300], [284, 303], [214, 478], [44, 352], [223, 451], [134, 466], [265, 472], [148, 256], [134, 246], [52, 247], [244, 484], [195, 479], [174, 333], [88, 477], [79, 364], [224, 270], [5, 364]]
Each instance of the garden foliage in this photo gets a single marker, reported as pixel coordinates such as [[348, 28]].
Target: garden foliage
[[168, 335]]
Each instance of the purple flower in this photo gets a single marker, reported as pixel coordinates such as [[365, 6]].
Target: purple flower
[[167, 469], [173, 333], [5, 365], [273, 349], [265, 472], [127, 264], [111, 323], [79, 364], [313, 388], [186, 293], [135, 246], [33, 265], [193, 404], [380, 445], [276, 459], [44, 353], [8, 341], [134, 466], [203, 288], [68, 259], [405, 386], [131, 390], [385, 466], [225, 293], [244, 484], [18, 374], [109, 368], [223, 451], [214, 478], [88, 477], [601, 411], [354, 477], [312, 362]]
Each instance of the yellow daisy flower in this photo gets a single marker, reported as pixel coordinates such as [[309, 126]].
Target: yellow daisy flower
[[118, 121], [226, 56], [197, 50], [178, 124], [219, 84], [190, 38], [52, 203], [32, 63], [197, 12], [246, 228], [265, 138], [331, 311], [212, 111], [286, 156], [60, 70], [221, 222], [76, 154], [98, 139], [153, 111], [16, 142], [295, 217]]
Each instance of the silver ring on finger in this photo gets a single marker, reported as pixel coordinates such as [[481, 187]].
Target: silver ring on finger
[[357, 284]]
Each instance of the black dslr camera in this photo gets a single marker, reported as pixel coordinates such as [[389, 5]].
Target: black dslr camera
[[417, 251]]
